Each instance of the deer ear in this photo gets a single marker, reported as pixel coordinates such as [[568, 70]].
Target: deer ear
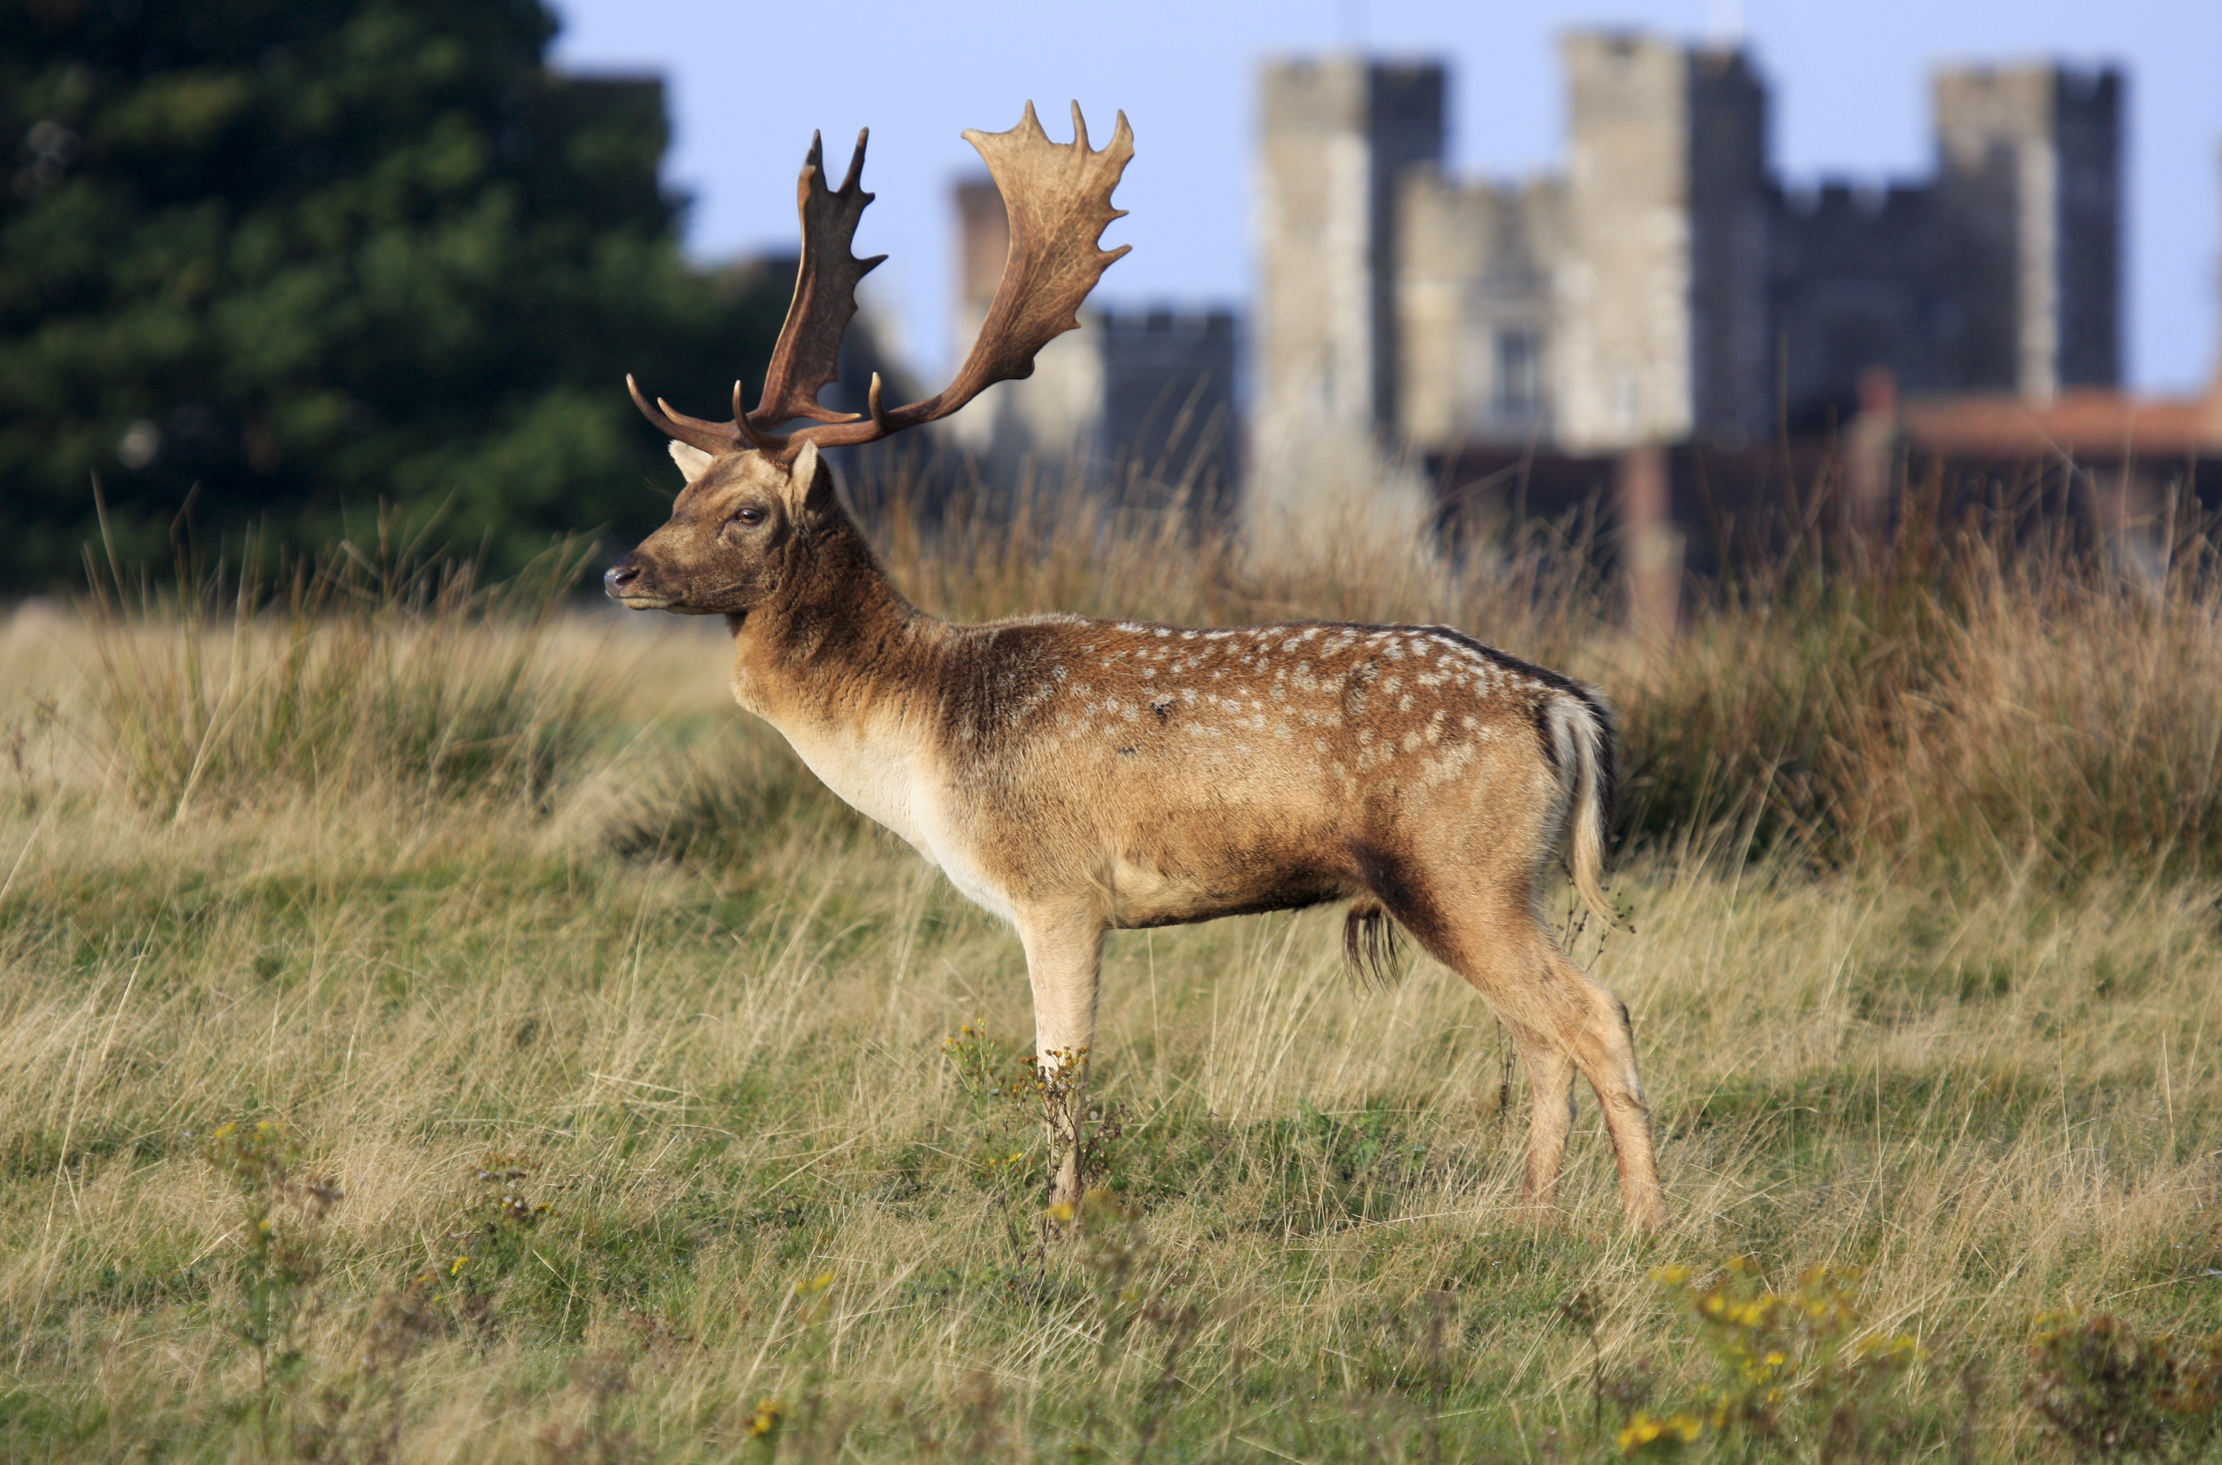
[[691, 460], [809, 481]]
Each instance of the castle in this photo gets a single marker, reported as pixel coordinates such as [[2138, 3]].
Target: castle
[[1667, 286], [1665, 296]]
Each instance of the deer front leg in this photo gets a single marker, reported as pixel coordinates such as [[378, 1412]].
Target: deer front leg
[[1064, 949]]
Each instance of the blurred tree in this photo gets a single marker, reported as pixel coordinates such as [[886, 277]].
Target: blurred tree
[[293, 256]]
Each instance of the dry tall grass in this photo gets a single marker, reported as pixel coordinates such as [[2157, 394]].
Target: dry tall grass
[[356, 668], [612, 1116]]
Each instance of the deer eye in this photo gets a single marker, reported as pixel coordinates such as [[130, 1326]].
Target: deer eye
[[748, 516]]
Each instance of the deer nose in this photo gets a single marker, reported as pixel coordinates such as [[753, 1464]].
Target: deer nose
[[619, 577]]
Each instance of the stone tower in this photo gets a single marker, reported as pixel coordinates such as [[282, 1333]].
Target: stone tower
[[1335, 137], [2028, 197], [1663, 296]]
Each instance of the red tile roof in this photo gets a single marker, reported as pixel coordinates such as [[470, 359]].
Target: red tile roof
[[2084, 423]]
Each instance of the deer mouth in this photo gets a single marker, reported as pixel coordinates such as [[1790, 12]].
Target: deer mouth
[[647, 602]]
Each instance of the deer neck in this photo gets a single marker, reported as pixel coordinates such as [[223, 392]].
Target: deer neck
[[847, 670], [839, 647]]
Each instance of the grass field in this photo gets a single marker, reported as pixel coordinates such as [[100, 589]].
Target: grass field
[[437, 1027]]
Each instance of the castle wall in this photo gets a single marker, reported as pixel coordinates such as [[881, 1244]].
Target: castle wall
[[1662, 294], [1634, 291], [2088, 123], [1335, 136], [1169, 423], [1731, 207], [1666, 289], [1854, 287]]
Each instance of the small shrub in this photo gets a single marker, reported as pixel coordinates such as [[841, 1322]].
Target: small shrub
[[1054, 1094], [1793, 1370], [281, 1254], [492, 1242], [2109, 1392]]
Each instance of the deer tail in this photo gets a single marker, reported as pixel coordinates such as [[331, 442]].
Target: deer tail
[[1581, 736]]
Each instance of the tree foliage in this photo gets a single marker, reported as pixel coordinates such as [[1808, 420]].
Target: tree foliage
[[288, 259]]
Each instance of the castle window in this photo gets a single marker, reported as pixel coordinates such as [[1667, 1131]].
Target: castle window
[[1627, 399], [1519, 373]]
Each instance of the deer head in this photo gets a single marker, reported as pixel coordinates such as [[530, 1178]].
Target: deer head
[[755, 493]]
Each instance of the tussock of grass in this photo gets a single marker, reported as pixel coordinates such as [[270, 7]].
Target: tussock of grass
[[2015, 707], [633, 1133], [343, 672]]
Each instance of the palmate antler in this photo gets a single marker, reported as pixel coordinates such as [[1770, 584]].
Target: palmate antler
[[1058, 196]]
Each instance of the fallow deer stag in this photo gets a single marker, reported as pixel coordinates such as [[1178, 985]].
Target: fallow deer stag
[[1074, 775]]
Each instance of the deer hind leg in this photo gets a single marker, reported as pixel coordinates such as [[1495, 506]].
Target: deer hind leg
[[1064, 951], [1603, 1046], [1550, 1115], [1562, 1022]]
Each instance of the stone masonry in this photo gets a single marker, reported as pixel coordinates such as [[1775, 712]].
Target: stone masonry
[[1666, 293]]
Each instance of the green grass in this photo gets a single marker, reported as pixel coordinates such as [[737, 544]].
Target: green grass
[[660, 1044]]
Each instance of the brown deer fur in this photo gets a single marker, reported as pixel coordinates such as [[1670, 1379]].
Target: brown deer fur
[[1074, 775]]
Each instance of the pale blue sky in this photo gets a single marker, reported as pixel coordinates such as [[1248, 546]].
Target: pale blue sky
[[748, 83]]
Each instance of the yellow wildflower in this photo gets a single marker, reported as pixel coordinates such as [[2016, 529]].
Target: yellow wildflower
[[1648, 1429]]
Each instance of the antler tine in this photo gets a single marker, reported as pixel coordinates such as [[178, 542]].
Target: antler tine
[[1058, 197], [757, 438], [710, 437], [808, 356], [855, 174], [726, 433]]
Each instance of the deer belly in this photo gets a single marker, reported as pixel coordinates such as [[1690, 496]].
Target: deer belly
[[1155, 892]]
